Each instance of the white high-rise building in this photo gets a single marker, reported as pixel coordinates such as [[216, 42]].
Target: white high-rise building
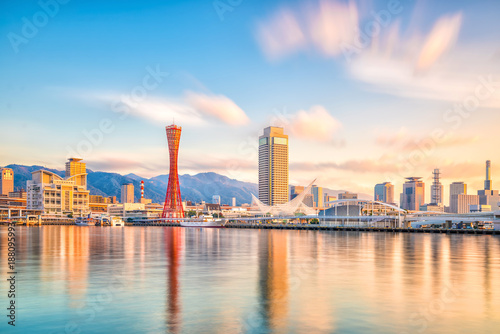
[[273, 166]]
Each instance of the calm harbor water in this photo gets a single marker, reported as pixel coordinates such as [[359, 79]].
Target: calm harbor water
[[183, 280]]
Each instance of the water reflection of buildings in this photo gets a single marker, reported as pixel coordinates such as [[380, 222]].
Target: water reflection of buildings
[[65, 250], [273, 279], [173, 245]]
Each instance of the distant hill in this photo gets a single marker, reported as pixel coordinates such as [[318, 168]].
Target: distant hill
[[197, 188]]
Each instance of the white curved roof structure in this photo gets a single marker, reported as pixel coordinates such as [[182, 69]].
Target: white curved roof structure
[[341, 201], [287, 209]]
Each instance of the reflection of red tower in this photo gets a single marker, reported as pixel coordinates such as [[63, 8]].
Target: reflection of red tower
[[173, 202]]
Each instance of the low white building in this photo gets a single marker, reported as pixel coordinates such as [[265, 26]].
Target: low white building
[[120, 210]]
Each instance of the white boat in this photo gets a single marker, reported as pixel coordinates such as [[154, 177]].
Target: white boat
[[117, 221], [82, 221], [204, 221]]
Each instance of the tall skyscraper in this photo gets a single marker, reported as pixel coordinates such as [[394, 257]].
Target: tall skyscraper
[[384, 192], [487, 183], [488, 196], [6, 181], [173, 202], [233, 201], [273, 166], [127, 193], [77, 171], [317, 193], [413, 195], [437, 188]]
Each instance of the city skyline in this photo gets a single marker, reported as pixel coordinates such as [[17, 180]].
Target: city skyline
[[401, 110]]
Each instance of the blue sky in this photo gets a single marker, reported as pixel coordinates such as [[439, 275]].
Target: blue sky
[[353, 119]]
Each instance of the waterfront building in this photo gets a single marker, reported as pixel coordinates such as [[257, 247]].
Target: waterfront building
[[384, 192], [488, 196], [461, 203], [296, 206], [317, 193], [480, 208], [413, 195], [127, 194], [6, 181], [18, 194], [55, 195], [437, 188], [99, 204], [348, 195], [122, 210], [210, 208], [432, 207], [327, 199], [216, 199], [273, 166]]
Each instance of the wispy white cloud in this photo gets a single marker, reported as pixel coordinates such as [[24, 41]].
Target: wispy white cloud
[[324, 27], [194, 108], [442, 37], [281, 35]]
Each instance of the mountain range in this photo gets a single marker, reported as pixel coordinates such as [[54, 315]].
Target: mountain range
[[196, 188]]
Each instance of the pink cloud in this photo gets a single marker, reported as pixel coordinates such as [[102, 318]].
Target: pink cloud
[[217, 106], [314, 124], [331, 25]]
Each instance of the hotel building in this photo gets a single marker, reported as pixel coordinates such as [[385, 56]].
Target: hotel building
[[55, 195], [273, 166]]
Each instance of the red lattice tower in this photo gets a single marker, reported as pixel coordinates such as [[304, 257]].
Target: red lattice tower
[[173, 203]]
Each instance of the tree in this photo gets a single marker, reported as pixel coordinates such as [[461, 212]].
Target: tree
[[190, 213]]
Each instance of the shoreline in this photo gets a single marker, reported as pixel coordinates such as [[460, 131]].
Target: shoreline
[[304, 227]]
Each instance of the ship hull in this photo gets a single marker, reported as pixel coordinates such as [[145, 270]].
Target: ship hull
[[209, 224]]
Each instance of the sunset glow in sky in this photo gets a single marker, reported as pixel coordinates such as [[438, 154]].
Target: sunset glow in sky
[[368, 91]]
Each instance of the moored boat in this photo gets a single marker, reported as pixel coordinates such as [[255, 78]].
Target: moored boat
[[204, 221]]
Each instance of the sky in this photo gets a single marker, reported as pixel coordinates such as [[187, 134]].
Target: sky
[[368, 91]]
